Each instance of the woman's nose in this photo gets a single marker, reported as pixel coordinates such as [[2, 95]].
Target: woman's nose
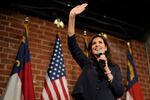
[[97, 44]]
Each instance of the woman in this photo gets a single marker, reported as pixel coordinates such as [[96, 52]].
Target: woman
[[100, 78]]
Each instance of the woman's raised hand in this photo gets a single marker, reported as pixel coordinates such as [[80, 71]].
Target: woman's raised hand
[[78, 9]]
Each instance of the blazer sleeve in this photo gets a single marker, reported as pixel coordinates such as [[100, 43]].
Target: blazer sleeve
[[76, 52], [116, 84]]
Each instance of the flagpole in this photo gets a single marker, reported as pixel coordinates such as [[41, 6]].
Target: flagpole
[[85, 43]]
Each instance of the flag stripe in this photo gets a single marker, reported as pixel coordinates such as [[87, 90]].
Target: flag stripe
[[135, 92], [51, 88], [65, 91], [128, 96], [13, 89], [58, 83], [56, 89], [45, 95], [48, 91]]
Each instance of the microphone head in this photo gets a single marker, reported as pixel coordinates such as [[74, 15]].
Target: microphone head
[[99, 52]]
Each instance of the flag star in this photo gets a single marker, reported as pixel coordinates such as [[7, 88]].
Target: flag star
[[56, 65], [52, 63], [57, 60], [51, 67], [52, 78], [54, 73], [53, 59], [56, 50], [55, 69], [58, 75], [61, 59]]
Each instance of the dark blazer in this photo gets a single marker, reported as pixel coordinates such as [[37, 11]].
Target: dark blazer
[[92, 84]]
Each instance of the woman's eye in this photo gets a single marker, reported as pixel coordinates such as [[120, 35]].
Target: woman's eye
[[93, 43], [100, 42]]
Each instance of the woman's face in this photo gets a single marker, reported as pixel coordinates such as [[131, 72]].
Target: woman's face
[[98, 46]]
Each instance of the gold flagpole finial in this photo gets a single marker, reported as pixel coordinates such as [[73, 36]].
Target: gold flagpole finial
[[129, 47], [100, 34], [26, 22], [59, 24], [103, 34], [128, 43], [85, 33]]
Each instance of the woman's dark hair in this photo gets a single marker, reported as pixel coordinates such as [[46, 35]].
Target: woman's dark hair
[[107, 53]]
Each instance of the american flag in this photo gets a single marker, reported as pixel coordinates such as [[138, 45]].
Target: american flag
[[20, 84], [55, 86]]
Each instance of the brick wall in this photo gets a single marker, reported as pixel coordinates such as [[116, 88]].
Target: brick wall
[[41, 41]]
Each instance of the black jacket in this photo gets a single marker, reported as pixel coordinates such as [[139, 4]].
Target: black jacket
[[93, 84]]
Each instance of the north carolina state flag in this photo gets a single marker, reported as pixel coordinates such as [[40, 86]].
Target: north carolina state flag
[[20, 84], [133, 87]]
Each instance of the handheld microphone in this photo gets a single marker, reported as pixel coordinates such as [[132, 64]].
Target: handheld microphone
[[99, 53], [102, 62]]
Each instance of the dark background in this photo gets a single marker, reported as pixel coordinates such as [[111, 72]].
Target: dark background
[[126, 19]]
